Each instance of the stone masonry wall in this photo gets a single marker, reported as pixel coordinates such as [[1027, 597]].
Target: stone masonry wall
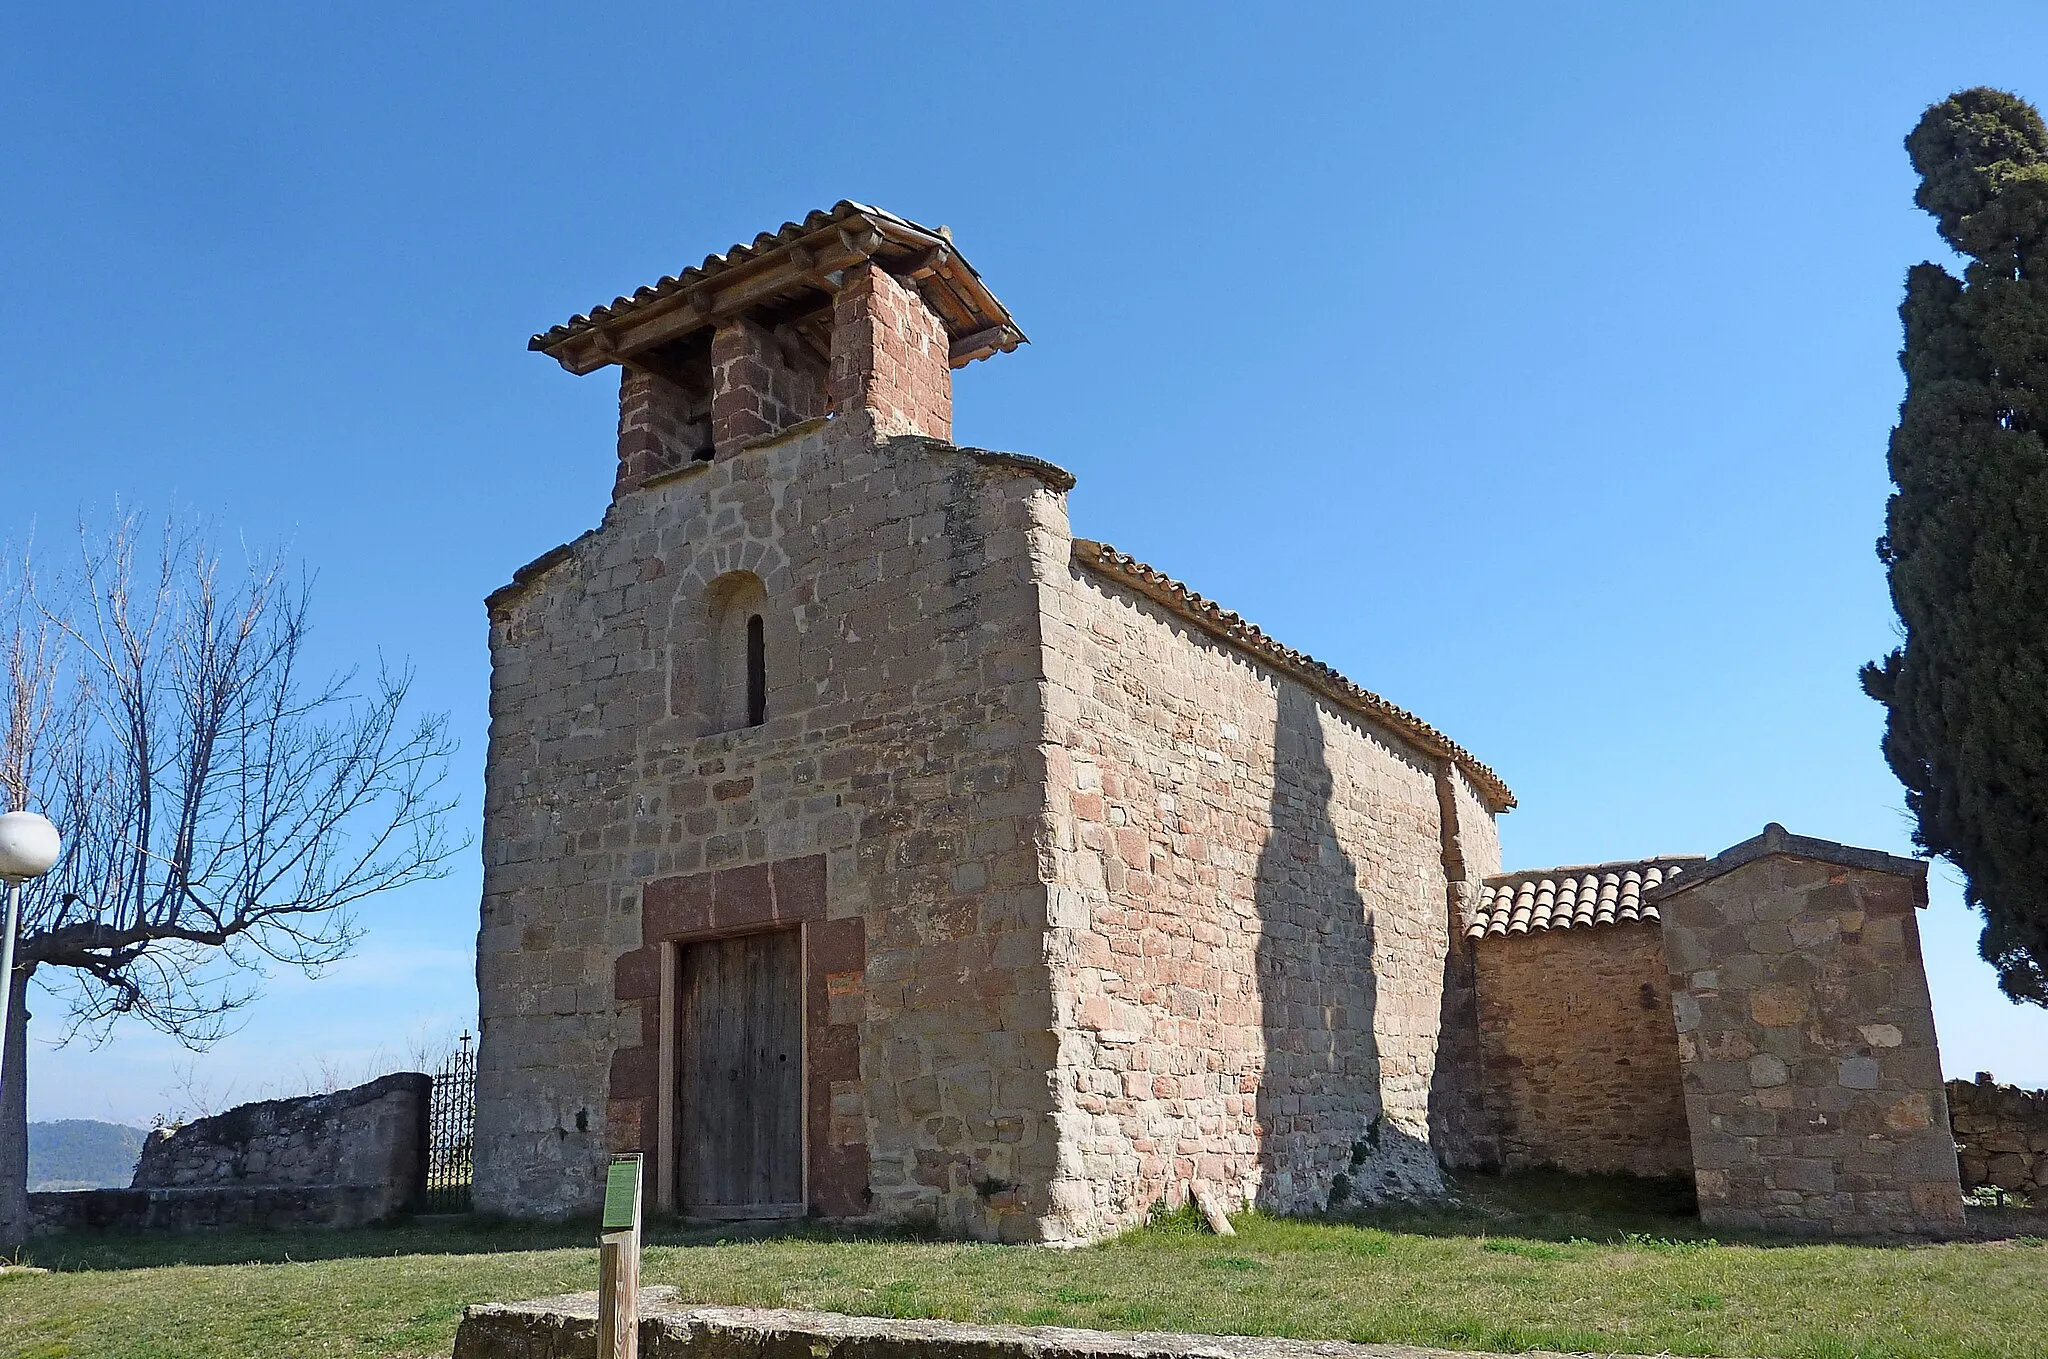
[[1476, 842], [1806, 1041], [374, 1135], [1579, 1051], [1460, 1128], [897, 363], [662, 426], [901, 745], [2001, 1133], [758, 386], [1249, 920]]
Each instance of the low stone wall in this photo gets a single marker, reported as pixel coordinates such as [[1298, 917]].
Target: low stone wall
[[374, 1134], [338, 1160], [2001, 1135], [215, 1208], [566, 1328]]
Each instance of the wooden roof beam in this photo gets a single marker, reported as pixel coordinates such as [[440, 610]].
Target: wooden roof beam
[[814, 261]]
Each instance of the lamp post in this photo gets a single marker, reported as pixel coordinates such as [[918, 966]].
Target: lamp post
[[28, 849]]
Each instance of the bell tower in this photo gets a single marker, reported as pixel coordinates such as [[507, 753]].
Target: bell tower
[[852, 313]]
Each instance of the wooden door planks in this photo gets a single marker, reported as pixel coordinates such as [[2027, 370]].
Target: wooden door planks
[[739, 1077]]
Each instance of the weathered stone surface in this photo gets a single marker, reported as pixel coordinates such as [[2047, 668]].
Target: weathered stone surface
[[371, 1135], [2001, 1135], [1251, 921], [899, 753], [1461, 1129], [888, 805], [1807, 1050], [1580, 1055], [566, 1328], [337, 1160]]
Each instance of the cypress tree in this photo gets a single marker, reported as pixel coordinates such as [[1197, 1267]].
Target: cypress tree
[[1966, 540]]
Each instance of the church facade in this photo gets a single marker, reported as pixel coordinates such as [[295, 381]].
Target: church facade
[[860, 843]]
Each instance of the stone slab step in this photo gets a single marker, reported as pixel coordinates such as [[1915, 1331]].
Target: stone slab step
[[566, 1328]]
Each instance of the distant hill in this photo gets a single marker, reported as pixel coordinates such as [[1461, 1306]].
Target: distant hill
[[80, 1153]]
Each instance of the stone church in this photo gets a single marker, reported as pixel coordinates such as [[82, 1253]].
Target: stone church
[[860, 843]]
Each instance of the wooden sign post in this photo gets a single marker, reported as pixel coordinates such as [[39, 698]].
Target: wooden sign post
[[618, 1263]]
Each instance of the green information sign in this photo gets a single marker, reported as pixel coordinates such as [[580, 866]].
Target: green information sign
[[622, 1195]]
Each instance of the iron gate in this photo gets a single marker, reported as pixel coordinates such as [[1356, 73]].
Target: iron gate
[[451, 1132]]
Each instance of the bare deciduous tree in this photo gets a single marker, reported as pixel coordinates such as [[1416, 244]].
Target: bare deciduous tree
[[221, 811]]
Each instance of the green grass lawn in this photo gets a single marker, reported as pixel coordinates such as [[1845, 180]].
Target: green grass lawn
[[1535, 1262]]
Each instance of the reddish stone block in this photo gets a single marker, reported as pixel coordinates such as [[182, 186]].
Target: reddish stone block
[[743, 898], [625, 1125], [835, 1053], [634, 1073], [1894, 895], [955, 919], [934, 992], [839, 1181], [838, 946], [637, 975], [799, 887], [671, 908]]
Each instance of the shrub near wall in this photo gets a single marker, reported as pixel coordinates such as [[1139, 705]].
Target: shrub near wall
[[2001, 1134]]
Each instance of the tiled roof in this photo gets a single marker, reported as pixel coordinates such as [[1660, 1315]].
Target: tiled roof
[[1574, 897], [796, 260], [1220, 622]]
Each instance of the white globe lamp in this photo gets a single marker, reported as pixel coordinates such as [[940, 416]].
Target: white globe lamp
[[28, 846], [28, 849]]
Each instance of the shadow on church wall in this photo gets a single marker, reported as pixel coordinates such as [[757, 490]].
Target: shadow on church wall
[[1324, 1138]]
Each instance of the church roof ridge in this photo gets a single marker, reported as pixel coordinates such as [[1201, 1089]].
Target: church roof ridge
[[797, 259], [1618, 865], [1231, 627]]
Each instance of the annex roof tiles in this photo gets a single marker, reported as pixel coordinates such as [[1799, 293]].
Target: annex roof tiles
[[1576, 897]]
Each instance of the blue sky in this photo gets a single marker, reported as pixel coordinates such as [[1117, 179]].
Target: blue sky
[[1532, 365]]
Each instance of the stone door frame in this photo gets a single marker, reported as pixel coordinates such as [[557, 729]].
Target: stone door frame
[[667, 1135], [721, 904]]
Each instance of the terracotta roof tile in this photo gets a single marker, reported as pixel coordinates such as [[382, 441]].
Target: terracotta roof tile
[[1574, 897], [979, 324]]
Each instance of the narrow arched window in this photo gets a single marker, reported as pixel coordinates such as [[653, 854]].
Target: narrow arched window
[[757, 671], [733, 665]]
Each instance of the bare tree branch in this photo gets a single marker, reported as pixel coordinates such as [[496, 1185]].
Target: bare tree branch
[[221, 812]]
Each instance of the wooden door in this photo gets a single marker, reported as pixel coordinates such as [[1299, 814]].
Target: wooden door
[[740, 1077]]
